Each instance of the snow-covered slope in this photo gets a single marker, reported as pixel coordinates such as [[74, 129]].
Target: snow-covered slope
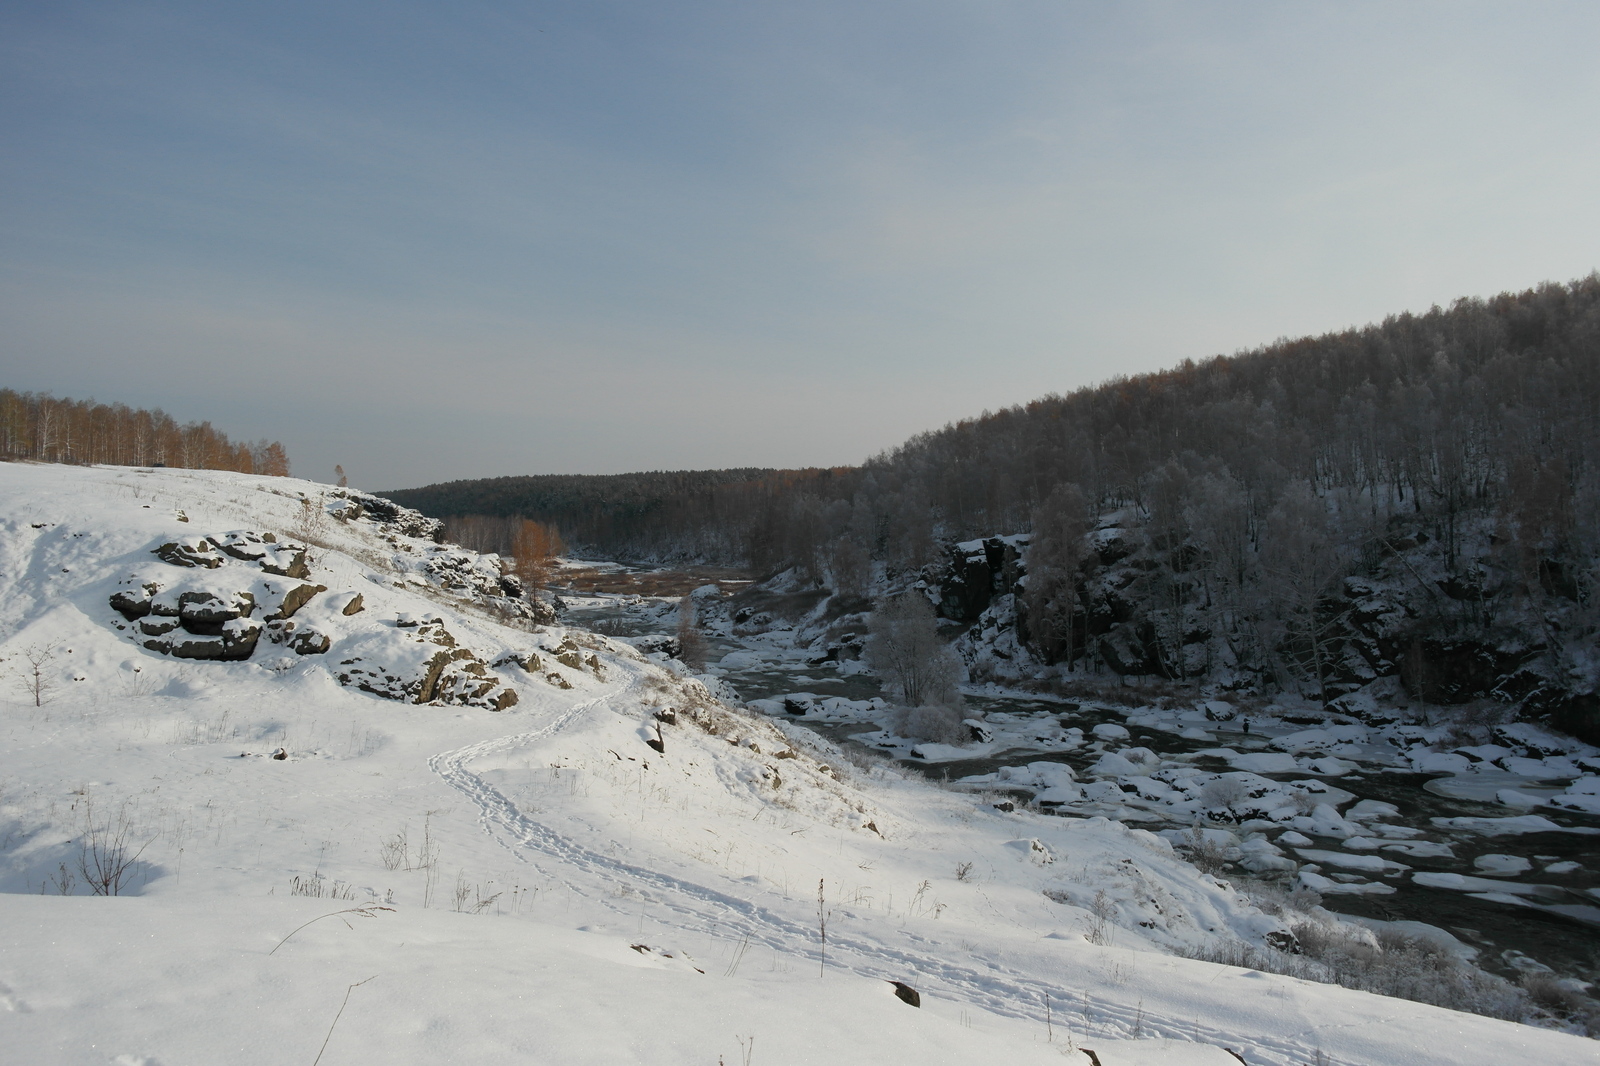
[[283, 703]]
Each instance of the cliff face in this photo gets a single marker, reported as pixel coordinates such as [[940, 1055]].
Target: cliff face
[[1442, 624]]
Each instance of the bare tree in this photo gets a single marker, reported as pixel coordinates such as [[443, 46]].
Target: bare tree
[[691, 642], [849, 568], [36, 680]]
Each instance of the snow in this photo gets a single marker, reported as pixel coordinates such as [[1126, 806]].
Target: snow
[[614, 868], [1372, 864], [1583, 795], [1467, 883], [1263, 762], [1329, 887], [1525, 823], [1158, 1053], [1501, 865]]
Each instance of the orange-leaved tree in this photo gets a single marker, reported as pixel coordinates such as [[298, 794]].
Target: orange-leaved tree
[[533, 548]]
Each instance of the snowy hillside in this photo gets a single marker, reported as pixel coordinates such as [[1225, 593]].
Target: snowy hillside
[[282, 778]]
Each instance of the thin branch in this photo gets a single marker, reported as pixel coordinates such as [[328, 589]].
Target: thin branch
[[342, 1006], [369, 911]]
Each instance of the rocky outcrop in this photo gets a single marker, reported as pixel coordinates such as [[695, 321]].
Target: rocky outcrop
[[420, 661], [351, 505], [975, 572], [227, 596], [204, 605], [196, 552], [263, 549]]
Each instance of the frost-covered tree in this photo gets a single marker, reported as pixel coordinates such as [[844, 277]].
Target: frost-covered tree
[[903, 648], [849, 568], [1055, 554], [1302, 558]]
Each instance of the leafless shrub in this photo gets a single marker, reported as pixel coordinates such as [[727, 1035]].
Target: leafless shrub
[[60, 884], [1278, 901], [395, 852], [1475, 722], [904, 649], [1549, 992], [311, 520], [1209, 856], [108, 851], [964, 871], [1248, 957], [317, 887], [469, 898], [1306, 802], [1104, 910]]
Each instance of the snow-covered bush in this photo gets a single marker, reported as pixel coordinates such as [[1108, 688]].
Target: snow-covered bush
[[1390, 963], [938, 725]]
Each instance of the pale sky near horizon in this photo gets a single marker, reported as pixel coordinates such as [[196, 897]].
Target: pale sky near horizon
[[437, 241]]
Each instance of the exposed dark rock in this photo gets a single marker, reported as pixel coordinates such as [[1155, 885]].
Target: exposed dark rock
[[232, 645], [294, 598], [244, 544], [658, 643], [189, 554], [290, 562], [134, 604], [206, 614], [906, 994], [307, 641]]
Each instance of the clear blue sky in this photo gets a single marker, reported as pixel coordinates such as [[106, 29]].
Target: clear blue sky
[[432, 241]]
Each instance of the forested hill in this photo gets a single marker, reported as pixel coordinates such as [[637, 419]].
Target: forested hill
[[642, 515], [1459, 409]]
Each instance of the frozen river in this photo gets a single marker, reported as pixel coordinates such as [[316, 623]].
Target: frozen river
[[1378, 820]]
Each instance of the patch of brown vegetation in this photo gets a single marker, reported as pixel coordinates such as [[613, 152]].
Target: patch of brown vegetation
[[664, 583]]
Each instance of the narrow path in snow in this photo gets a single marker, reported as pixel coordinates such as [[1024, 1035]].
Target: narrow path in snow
[[714, 913]]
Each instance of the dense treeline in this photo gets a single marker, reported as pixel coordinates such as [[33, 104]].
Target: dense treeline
[[1452, 452], [678, 514], [1454, 411], [41, 427], [530, 544]]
